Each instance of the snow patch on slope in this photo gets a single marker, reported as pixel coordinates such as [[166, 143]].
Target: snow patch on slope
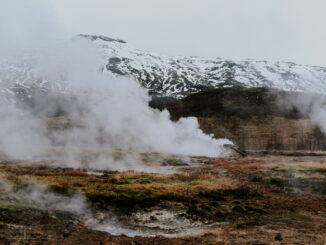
[[171, 76], [179, 76]]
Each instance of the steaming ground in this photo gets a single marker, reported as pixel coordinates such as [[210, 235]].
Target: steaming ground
[[109, 130], [40, 197], [107, 111], [46, 74], [114, 166], [99, 160], [33, 194], [238, 200]]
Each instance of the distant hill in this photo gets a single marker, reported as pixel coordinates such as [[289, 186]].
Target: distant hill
[[255, 119], [180, 76], [171, 76]]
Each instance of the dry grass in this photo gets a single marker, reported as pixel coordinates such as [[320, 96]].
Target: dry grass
[[131, 187], [255, 195]]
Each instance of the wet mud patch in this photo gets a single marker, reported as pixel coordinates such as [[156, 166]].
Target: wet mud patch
[[154, 222]]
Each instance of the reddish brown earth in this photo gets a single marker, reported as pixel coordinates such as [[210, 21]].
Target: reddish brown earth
[[275, 197]]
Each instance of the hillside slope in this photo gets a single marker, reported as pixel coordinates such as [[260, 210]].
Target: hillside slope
[[255, 119], [171, 76], [180, 76]]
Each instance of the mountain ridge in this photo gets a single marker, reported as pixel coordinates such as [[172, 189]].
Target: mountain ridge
[[175, 76], [178, 76]]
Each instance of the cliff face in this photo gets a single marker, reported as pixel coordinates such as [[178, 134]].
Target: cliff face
[[254, 119]]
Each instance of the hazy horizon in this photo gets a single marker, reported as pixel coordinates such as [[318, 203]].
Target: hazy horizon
[[275, 30]]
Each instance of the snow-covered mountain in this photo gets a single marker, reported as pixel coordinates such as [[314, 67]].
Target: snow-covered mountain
[[179, 76], [173, 76]]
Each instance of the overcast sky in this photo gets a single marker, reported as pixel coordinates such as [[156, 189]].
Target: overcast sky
[[290, 30]]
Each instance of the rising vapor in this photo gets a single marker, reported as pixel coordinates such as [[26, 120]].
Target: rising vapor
[[106, 111]]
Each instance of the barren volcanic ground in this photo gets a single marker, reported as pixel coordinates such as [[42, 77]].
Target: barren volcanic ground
[[193, 200], [98, 196]]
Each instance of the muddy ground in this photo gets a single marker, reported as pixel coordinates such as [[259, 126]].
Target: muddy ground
[[254, 200]]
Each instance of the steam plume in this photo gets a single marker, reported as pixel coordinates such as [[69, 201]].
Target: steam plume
[[66, 76]]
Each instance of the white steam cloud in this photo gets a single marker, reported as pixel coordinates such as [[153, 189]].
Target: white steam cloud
[[313, 106], [107, 111], [42, 197]]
